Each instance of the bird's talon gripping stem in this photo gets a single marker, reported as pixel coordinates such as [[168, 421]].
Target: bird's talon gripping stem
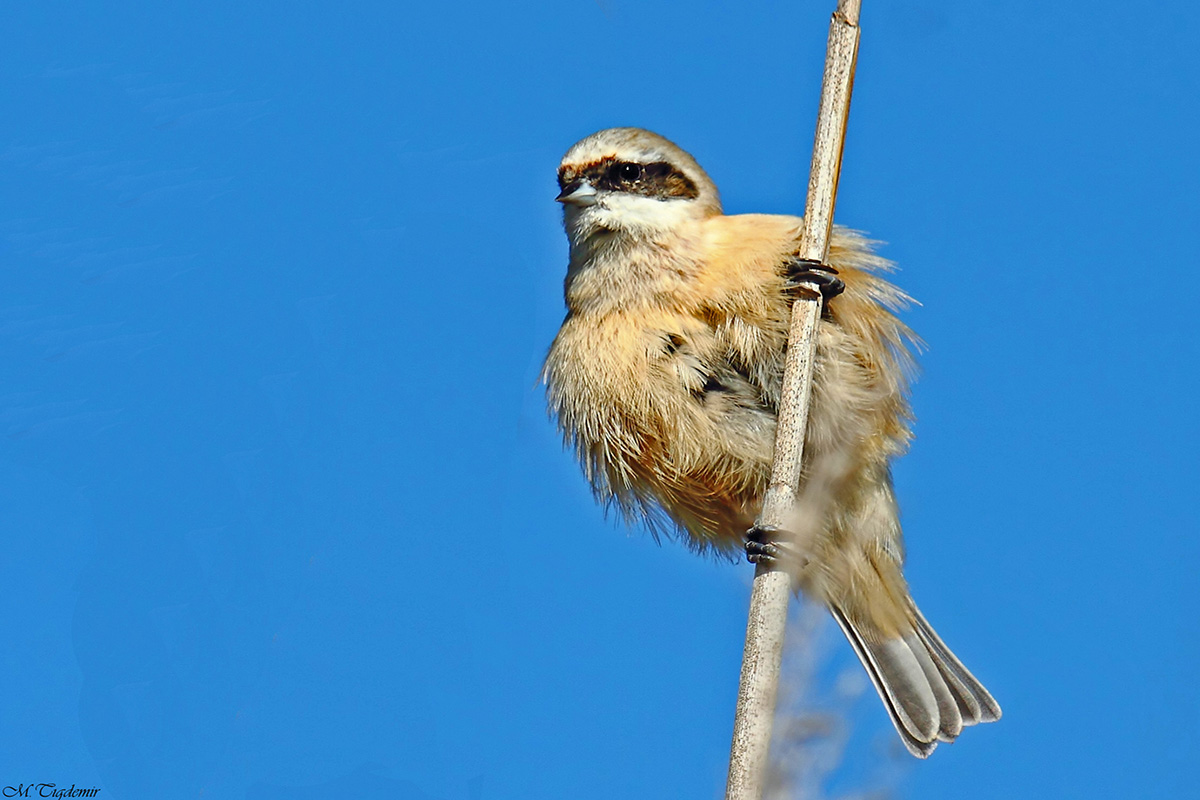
[[806, 273], [760, 544]]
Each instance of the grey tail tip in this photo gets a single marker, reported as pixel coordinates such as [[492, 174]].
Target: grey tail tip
[[929, 694]]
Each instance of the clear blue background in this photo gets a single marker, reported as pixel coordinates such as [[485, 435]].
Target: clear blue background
[[282, 513]]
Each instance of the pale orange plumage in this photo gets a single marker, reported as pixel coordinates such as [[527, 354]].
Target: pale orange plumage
[[665, 379]]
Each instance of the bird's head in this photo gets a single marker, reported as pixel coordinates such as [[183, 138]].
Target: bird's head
[[634, 182]]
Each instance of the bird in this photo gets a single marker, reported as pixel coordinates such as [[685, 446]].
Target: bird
[[665, 381]]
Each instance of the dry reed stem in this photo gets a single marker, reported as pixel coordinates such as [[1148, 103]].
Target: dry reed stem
[[772, 585]]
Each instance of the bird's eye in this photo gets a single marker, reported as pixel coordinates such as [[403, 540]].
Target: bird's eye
[[629, 172]]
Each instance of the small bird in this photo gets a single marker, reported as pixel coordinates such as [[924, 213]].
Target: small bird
[[665, 379]]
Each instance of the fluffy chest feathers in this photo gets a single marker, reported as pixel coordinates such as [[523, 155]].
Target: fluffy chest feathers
[[665, 374], [656, 379]]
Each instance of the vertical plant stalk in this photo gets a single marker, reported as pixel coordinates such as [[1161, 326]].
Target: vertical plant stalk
[[772, 583]]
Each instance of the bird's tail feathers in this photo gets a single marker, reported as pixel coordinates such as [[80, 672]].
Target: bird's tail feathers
[[929, 694]]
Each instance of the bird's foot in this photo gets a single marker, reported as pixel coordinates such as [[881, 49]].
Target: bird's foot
[[805, 273], [763, 544]]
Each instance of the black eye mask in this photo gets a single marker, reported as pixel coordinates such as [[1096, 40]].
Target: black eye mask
[[659, 179]]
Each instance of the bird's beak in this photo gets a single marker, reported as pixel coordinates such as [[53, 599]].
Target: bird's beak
[[578, 193]]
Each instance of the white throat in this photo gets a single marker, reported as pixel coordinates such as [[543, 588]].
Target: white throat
[[628, 250], [627, 214]]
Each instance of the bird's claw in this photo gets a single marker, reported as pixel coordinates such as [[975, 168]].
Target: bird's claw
[[760, 544], [805, 273]]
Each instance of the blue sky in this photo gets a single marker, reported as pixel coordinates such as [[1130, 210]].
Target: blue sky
[[282, 513]]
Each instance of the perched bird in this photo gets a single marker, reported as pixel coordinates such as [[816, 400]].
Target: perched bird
[[665, 379]]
